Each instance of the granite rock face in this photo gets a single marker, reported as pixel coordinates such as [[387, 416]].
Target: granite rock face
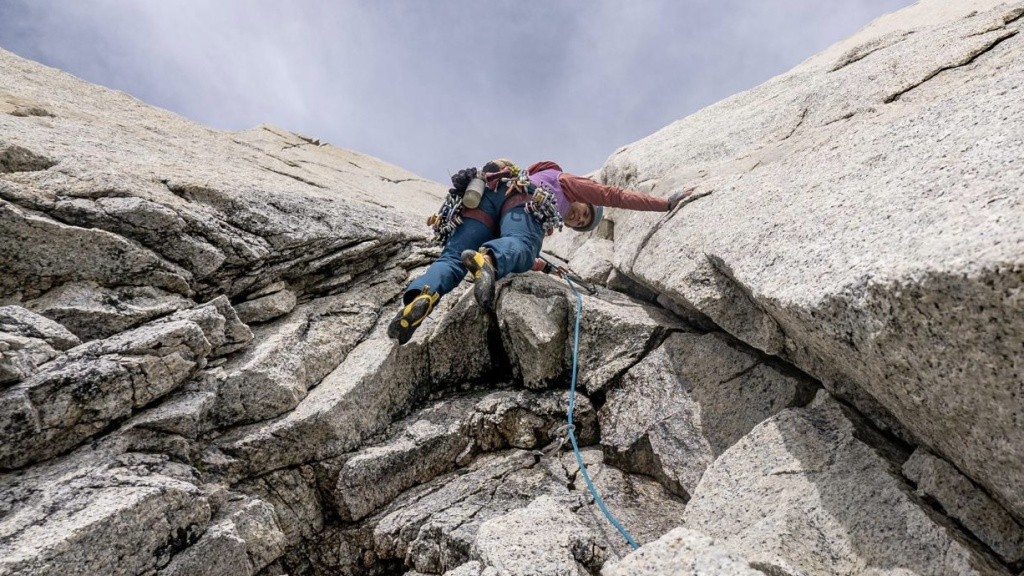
[[966, 503], [681, 552], [28, 340], [864, 224], [125, 515], [267, 307], [167, 204], [17, 321], [687, 402], [537, 316], [811, 367], [84, 391], [797, 492], [291, 356], [91, 312]]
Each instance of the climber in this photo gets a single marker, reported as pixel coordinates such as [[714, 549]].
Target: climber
[[494, 221]]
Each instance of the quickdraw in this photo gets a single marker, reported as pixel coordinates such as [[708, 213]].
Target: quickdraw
[[447, 219], [544, 208], [563, 271], [518, 182]]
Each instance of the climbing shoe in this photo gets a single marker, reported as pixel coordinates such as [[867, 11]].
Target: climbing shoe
[[484, 277], [412, 315]]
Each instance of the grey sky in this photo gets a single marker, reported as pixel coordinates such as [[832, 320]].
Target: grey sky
[[434, 86]]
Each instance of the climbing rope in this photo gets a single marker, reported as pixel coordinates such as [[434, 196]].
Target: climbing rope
[[572, 433]]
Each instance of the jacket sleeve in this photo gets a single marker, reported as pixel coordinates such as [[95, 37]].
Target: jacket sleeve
[[579, 189]]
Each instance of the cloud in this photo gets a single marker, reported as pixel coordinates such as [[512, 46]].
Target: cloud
[[435, 86]]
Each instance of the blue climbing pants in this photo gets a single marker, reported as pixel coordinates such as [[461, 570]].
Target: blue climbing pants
[[514, 249]]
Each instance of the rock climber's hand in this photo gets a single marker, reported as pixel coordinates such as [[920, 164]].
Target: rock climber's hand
[[685, 197], [540, 265]]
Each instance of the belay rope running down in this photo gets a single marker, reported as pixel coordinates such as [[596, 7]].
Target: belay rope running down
[[572, 433]]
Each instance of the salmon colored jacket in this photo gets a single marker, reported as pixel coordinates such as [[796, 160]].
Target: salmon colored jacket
[[580, 189]]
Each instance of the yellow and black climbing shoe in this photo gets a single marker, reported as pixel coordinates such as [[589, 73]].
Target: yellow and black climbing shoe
[[484, 277], [412, 315]]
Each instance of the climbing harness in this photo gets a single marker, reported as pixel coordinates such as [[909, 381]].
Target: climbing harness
[[571, 427], [538, 200]]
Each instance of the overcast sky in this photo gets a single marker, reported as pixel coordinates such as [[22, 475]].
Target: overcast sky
[[435, 86]]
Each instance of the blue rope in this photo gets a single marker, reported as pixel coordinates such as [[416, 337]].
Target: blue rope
[[572, 433]]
